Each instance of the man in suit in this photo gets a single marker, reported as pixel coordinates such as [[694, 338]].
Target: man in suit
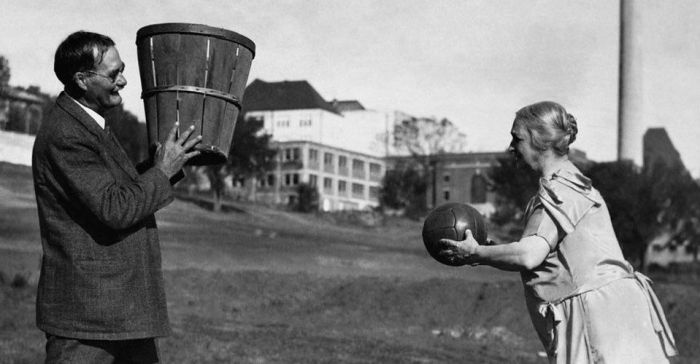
[[100, 296]]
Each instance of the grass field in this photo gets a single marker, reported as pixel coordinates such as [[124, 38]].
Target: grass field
[[258, 285]]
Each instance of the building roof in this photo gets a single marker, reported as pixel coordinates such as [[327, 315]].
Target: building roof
[[347, 105], [283, 95], [16, 94]]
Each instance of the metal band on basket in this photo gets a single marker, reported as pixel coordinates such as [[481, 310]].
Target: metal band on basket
[[193, 89]]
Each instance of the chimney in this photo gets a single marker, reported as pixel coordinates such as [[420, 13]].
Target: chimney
[[631, 122]]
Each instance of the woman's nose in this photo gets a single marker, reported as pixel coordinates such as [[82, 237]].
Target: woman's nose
[[121, 80]]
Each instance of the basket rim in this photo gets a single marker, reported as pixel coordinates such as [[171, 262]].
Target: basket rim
[[191, 28]]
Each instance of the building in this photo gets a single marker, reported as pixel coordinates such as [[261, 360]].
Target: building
[[24, 106], [367, 130], [658, 148], [294, 110], [345, 149], [459, 177], [345, 180], [318, 145]]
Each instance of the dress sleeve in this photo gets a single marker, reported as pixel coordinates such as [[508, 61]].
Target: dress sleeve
[[566, 200], [540, 223]]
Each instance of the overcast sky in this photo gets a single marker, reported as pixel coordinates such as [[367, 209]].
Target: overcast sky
[[473, 62]]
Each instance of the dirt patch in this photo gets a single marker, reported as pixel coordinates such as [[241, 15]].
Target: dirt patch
[[264, 317]]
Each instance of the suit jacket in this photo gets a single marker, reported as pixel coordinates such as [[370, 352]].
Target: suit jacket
[[101, 272]]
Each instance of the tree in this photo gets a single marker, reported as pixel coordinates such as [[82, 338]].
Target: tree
[[403, 188], [307, 198], [514, 184], [428, 136], [644, 202], [676, 197], [641, 202], [250, 157], [423, 138], [4, 72], [131, 133], [633, 215]]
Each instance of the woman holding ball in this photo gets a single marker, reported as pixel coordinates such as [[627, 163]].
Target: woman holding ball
[[586, 302]]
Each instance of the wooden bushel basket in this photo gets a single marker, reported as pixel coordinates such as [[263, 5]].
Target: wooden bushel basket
[[196, 75]]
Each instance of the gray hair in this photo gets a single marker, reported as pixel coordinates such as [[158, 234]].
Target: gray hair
[[549, 126]]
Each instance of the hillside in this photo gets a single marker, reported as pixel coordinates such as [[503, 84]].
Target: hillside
[[259, 285], [16, 148]]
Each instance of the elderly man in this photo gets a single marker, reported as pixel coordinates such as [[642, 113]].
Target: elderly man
[[100, 297]]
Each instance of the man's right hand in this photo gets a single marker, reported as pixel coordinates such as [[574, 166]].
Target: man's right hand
[[172, 156]]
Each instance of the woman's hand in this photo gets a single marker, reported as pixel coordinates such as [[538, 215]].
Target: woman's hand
[[460, 252]]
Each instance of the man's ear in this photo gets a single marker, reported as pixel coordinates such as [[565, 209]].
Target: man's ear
[[80, 81]]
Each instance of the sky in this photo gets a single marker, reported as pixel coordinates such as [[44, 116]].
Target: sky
[[474, 62]]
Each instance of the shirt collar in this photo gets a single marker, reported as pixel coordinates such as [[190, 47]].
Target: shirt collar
[[94, 115]]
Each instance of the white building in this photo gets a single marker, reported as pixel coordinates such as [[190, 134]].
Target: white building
[[336, 146]]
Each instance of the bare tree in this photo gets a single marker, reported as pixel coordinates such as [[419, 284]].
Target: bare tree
[[4, 72], [428, 136]]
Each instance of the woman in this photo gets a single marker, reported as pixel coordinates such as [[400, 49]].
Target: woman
[[586, 302]]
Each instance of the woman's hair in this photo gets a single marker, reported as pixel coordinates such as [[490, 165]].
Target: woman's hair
[[77, 53], [549, 126]]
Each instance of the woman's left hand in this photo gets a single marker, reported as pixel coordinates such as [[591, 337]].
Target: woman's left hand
[[461, 252]]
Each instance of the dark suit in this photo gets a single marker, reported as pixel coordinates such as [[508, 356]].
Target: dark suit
[[101, 275]]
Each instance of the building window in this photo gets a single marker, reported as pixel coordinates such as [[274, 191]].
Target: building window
[[267, 181], [342, 187], [375, 171], [313, 180], [313, 154], [446, 195], [291, 179], [373, 192], [292, 154], [328, 158], [358, 165], [283, 123], [342, 161], [446, 178], [327, 184], [328, 165], [358, 168], [478, 189], [358, 190], [305, 122]]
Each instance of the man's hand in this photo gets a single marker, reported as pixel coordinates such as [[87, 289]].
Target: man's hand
[[172, 156]]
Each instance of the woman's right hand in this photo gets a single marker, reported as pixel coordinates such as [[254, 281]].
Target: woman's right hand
[[462, 251]]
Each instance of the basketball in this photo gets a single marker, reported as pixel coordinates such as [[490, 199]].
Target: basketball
[[450, 221]]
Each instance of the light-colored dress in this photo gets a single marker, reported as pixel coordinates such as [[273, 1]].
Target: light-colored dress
[[585, 300]]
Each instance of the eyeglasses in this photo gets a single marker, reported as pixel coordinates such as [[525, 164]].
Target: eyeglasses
[[112, 79]]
